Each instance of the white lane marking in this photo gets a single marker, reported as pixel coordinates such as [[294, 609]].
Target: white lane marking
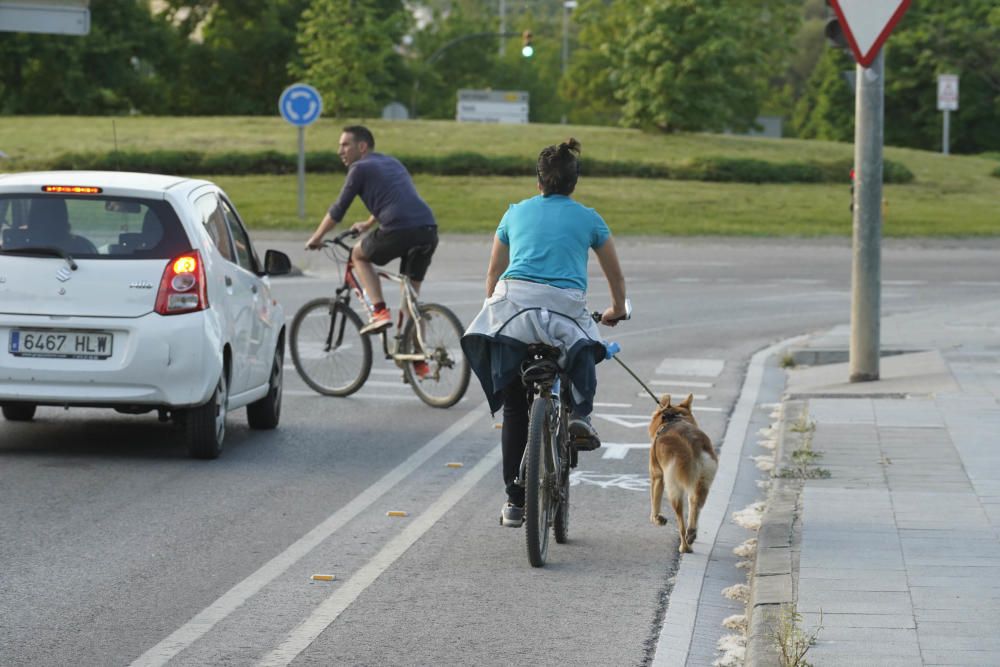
[[674, 642], [978, 283], [904, 283], [205, 620], [794, 296], [306, 633], [612, 405], [628, 421], [360, 395], [699, 367], [629, 482], [682, 383], [619, 450], [697, 397]]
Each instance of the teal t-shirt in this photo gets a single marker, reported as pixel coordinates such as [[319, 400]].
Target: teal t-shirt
[[549, 238]]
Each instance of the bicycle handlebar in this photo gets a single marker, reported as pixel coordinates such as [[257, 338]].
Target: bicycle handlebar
[[597, 315]]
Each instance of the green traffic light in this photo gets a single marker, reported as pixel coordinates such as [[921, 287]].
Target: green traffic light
[[527, 50]]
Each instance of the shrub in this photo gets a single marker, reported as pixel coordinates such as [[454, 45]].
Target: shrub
[[715, 169]]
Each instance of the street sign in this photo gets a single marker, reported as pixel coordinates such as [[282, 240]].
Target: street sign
[[867, 24], [492, 106], [300, 104], [947, 92], [53, 17]]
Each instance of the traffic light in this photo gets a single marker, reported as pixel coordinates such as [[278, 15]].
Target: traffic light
[[833, 30], [527, 50]]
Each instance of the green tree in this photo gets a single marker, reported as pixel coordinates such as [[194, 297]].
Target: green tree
[[347, 51], [463, 63], [933, 38], [589, 85], [679, 64], [694, 65], [125, 64], [826, 108], [225, 72]]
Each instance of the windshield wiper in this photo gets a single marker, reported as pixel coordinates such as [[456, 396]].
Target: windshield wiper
[[41, 250]]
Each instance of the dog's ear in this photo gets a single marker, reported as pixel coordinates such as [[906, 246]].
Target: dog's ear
[[665, 401], [686, 403]]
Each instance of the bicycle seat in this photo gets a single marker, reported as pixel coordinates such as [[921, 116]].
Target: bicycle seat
[[540, 364]]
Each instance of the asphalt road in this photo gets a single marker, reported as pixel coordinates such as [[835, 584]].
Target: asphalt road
[[117, 549]]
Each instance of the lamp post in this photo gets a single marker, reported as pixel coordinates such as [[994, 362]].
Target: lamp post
[[503, 26], [447, 45], [567, 6]]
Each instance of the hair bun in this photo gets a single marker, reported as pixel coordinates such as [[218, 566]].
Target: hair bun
[[570, 145]]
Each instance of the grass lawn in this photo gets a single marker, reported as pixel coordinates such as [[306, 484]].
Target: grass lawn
[[951, 195], [639, 206]]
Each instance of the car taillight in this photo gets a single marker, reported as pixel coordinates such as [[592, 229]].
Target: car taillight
[[183, 286]]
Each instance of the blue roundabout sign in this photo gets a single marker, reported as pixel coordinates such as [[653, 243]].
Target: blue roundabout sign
[[300, 104]]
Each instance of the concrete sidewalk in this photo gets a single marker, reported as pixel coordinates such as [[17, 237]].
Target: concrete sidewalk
[[895, 556]]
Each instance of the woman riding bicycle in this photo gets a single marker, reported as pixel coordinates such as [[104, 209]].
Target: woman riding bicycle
[[536, 293]]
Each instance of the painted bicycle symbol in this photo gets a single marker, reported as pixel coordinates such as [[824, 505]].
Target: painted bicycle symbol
[[629, 482]]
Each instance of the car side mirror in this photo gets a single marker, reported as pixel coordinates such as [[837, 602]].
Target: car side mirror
[[276, 263]]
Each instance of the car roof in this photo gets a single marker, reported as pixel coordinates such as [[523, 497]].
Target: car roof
[[119, 183]]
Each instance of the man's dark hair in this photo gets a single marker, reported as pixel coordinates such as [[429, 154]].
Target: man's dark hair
[[559, 167], [361, 133]]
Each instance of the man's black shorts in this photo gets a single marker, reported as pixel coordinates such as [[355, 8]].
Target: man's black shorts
[[413, 246]]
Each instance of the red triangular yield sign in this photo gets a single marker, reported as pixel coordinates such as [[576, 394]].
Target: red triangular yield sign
[[867, 24]]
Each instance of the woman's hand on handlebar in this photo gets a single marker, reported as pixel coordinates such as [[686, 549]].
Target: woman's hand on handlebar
[[612, 316]]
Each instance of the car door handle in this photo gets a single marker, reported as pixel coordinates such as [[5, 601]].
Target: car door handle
[[253, 288], [229, 281]]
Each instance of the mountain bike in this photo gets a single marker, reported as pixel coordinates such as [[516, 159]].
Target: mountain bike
[[334, 358], [549, 453]]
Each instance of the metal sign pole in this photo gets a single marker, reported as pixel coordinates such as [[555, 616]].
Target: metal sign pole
[[945, 139], [866, 271], [302, 172]]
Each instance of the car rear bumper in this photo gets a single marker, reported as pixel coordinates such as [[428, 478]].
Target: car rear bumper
[[156, 361]]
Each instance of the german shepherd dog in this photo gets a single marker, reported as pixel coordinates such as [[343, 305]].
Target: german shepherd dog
[[682, 456]]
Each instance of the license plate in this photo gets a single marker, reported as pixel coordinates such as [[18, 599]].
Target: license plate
[[60, 344]]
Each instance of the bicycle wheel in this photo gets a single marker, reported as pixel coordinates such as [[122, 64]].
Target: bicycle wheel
[[328, 349], [560, 525], [538, 481], [447, 376]]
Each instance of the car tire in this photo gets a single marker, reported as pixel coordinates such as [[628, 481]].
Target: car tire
[[19, 412], [205, 425], [266, 413]]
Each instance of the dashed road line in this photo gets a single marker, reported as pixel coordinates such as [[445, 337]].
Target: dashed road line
[[230, 601]]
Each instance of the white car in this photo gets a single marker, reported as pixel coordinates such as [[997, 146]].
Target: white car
[[136, 292]]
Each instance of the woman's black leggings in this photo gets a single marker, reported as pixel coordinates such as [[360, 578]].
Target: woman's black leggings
[[514, 437]]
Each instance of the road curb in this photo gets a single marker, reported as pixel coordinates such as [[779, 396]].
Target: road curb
[[773, 578]]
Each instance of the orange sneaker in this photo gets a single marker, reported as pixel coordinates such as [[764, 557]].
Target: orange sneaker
[[380, 320]]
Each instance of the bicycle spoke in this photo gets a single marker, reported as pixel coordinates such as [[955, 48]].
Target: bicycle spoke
[[328, 350], [447, 370]]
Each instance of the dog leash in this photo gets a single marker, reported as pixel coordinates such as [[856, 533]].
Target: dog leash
[[612, 353]]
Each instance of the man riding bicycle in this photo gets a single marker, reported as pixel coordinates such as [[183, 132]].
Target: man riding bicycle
[[406, 226], [536, 287]]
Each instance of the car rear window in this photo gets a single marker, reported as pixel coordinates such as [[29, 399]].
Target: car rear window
[[92, 227]]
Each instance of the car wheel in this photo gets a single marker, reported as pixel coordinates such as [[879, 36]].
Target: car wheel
[[18, 412], [265, 413], [206, 424]]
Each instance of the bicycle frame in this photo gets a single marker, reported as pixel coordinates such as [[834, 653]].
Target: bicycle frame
[[559, 443], [409, 305]]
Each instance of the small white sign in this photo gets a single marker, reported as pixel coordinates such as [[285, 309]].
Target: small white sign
[[947, 98], [492, 106], [55, 18]]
